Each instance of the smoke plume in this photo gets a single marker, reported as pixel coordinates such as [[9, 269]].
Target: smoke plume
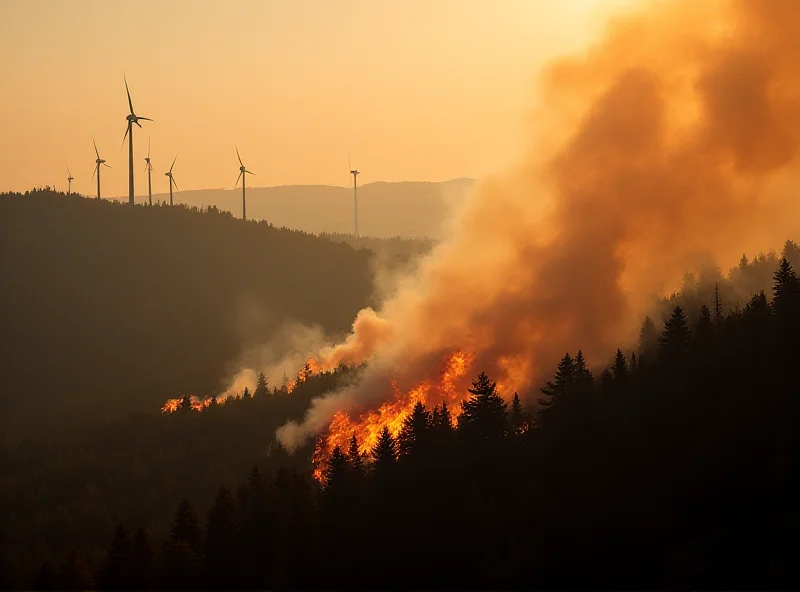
[[671, 142]]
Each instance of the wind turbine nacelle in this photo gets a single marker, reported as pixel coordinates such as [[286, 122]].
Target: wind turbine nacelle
[[100, 161]]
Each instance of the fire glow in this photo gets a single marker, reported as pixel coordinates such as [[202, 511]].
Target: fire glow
[[310, 369], [367, 425]]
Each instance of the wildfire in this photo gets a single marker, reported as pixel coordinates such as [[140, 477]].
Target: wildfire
[[368, 424], [310, 369], [194, 403]]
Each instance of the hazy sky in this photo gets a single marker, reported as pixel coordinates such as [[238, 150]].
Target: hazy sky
[[412, 89]]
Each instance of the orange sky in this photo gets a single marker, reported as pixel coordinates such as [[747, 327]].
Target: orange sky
[[412, 89]]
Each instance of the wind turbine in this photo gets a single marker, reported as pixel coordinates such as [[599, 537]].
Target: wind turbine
[[354, 172], [171, 181], [149, 168], [69, 181], [243, 172], [132, 118], [98, 162]]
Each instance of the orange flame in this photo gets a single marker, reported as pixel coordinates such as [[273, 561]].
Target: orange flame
[[368, 424], [310, 369], [195, 404]]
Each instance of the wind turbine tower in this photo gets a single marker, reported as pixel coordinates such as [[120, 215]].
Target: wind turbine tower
[[243, 172], [98, 162], [354, 172], [149, 168], [171, 181], [69, 181], [132, 118]]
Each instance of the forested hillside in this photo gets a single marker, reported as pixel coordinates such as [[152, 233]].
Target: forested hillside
[[110, 309], [677, 466]]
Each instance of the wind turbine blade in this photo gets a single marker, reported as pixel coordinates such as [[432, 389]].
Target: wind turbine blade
[[139, 124], [130, 103], [145, 118], [248, 172], [97, 166], [173, 164], [128, 127], [95, 148], [148, 147], [237, 180], [176, 183], [239, 157], [108, 165]]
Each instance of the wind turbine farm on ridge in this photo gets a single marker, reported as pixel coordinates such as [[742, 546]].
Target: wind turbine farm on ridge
[[133, 119]]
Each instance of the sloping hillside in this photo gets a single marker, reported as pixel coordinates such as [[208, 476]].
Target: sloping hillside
[[108, 308]]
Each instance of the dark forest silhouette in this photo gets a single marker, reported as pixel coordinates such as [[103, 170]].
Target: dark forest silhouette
[[675, 466]]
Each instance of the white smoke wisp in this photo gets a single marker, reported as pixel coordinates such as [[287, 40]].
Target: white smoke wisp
[[669, 143]]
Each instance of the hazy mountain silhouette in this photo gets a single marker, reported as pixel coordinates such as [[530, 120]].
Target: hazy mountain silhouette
[[409, 209]]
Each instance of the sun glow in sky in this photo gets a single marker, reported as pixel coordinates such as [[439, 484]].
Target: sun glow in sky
[[411, 89]]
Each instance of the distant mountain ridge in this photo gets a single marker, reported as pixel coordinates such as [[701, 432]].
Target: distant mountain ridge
[[413, 209]]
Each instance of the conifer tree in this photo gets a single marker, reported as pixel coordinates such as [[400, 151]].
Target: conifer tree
[[445, 419], [517, 417], [620, 367], [483, 415], [262, 388], [336, 471], [564, 378], [415, 428], [648, 337], [186, 527], [246, 394], [634, 363], [786, 293], [384, 454], [355, 458], [675, 336], [582, 373]]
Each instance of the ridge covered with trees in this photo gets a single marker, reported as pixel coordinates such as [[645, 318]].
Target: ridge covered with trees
[[677, 466], [108, 309]]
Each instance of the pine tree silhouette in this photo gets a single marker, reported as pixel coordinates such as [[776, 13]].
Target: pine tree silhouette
[[336, 471], [484, 416], [582, 373], [246, 394], [648, 338], [620, 367], [384, 454], [564, 378], [675, 337], [355, 458], [415, 429], [517, 417], [786, 292], [262, 388]]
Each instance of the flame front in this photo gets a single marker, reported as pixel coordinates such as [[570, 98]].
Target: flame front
[[310, 369], [368, 424]]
